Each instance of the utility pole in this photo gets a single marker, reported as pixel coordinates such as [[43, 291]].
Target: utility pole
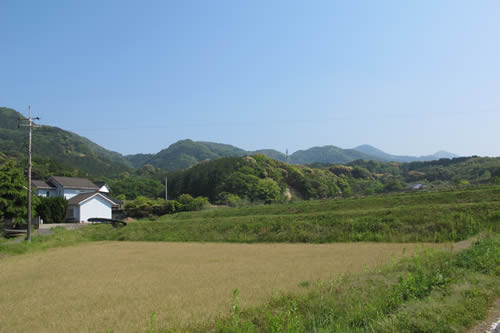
[[30, 126]]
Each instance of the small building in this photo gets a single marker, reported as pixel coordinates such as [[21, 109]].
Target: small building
[[417, 186], [86, 199], [83, 206]]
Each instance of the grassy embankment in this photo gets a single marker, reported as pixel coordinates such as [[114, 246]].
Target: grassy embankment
[[416, 217], [408, 217]]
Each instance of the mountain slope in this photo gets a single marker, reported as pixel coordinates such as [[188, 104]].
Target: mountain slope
[[185, 153], [383, 156], [327, 154], [271, 153], [62, 146]]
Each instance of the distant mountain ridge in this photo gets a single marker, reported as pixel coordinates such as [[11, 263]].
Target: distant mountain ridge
[[375, 152], [80, 153], [185, 153]]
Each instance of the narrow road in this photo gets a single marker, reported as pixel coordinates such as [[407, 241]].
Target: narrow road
[[45, 229]]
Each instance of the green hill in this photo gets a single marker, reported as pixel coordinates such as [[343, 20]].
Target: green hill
[[256, 178], [64, 147], [185, 153], [328, 154]]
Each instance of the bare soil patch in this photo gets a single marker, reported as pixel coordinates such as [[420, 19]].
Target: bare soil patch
[[117, 285]]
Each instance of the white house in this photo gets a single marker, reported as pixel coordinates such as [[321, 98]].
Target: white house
[[85, 198], [86, 205]]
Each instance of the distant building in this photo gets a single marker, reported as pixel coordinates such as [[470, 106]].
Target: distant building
[[85, 198], [417, 186]]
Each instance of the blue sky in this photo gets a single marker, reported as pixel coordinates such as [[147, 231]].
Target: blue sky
[[409, 77]]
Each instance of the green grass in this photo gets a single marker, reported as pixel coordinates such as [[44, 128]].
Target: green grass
[[59, 238], [432, 292], [423, 217]]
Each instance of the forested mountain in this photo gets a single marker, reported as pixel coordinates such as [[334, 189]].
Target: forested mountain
[[63, 147], [255, 178], [78, 155], [261, 179], [383, 156], [186, 153], [328, 154]]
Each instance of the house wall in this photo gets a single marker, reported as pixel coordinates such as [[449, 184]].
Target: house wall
[[70, 193], [45, 193], [104, 189], [95, 207], [75, 209]]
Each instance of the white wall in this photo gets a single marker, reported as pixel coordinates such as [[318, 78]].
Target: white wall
[[95, 207], [70, 193], [104, 189]]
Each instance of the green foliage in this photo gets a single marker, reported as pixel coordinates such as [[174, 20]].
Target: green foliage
[[192, 204], [13, 193], [71, 151], [145, 207], [186, 153], [483, 257], [139, 207], [393, 185], [257, 179], [52, 210], [231, 200], [133, 186]]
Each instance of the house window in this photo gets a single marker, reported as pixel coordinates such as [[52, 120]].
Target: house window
[[48, 193], [71, 212]]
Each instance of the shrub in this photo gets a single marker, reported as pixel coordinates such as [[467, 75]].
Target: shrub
[[197, 203], [53, 210]]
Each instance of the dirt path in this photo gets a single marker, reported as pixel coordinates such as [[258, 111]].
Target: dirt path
[[486, 325], [45, 229]]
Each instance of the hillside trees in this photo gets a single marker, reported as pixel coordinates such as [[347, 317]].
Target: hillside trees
[[13, 193], [132, 186]]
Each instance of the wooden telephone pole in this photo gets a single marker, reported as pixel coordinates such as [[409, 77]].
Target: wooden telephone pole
[[30, 126]]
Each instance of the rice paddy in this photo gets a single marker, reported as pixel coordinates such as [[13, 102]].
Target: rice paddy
[[116, 286]]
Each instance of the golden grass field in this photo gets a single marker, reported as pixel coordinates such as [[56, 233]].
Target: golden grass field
[[103, 286]]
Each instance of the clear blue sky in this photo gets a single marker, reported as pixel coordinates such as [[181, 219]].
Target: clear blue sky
[[409, 77]]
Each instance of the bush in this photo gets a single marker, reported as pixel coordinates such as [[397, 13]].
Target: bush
[[232, 200], [52, 210], [144, 207], [197, 203]]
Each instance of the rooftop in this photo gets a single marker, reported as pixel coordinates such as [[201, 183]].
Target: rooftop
[[74, 182]]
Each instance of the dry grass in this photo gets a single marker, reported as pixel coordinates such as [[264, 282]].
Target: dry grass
[[117, 285]]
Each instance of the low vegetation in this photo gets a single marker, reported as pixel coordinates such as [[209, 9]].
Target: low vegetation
[[427, 217]]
